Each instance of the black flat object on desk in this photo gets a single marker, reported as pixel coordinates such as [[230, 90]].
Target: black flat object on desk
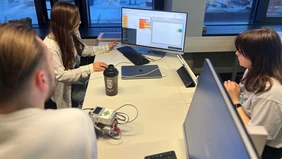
[[164, 155], [133, 55]]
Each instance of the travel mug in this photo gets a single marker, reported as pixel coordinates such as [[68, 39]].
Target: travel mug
[[111, 80]]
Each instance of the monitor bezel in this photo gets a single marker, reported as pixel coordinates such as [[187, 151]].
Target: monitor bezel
[[155, 48]]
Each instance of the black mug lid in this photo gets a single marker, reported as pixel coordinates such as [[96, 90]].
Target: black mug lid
[[111, 71]]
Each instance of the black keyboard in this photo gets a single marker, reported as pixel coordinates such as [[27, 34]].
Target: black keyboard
[[133, 55], [164, 155]]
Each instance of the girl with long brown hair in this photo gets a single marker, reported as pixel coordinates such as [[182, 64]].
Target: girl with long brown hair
[[65, 43], [259, 51]]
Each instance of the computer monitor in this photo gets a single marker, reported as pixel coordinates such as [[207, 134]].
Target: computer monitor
[[212, 127], [157, 30]]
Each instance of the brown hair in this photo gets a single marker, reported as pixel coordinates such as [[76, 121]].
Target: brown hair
[[64, 18], [20, 55], [263, 48]]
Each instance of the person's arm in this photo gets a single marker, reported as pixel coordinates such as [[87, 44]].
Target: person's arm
[[233, 90], [82, 134], [92, 50], [89, 139], [73, 75], [243, 115], [240, 110], [92, 139]]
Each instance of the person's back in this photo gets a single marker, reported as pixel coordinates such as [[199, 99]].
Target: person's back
[[26, 82], [37, 133]]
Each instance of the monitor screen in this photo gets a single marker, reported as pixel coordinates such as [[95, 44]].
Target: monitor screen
[[212, 127], [154, 29]]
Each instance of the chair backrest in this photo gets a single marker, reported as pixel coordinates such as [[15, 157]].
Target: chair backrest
[[49, 104]]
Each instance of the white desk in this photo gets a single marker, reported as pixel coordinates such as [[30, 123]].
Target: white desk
[[162, 104]]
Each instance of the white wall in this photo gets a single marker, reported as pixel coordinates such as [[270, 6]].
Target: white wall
[[210, 44], [194, 41], [195, 10]]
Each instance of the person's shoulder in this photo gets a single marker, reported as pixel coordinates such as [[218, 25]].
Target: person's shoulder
[[276, 87], [47, 38], [50, 42], [77, 33], [274, 94], [68, 115], [72, 112]]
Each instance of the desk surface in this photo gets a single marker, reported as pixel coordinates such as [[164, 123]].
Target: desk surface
[[162, 105]]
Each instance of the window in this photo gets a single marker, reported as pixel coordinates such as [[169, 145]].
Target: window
[[274, 8], [49, 4], [230, 11], [10, 10], [108, 12]]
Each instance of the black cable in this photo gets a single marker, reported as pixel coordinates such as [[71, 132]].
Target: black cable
[[87, 108]]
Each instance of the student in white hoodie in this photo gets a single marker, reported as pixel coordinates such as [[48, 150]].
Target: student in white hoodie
[[64, 42], [26, 81], [259, 51]]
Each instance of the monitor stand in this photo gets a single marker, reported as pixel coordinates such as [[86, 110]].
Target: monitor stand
[[186, 79], [146, 51]]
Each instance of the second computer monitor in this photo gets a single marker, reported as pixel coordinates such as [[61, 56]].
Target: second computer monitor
[[212, 128], [154, 29]]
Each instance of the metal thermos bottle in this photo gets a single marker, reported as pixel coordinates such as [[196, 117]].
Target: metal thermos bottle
[[111, 80]]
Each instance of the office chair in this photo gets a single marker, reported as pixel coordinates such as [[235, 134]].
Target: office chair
[[49, 104]]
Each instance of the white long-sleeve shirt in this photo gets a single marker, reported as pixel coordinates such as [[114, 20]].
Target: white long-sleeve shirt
[[64, 78], [47, 134]]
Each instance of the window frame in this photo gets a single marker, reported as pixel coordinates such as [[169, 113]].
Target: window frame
[[270, 20], [261, 10], [84, 10], [258, 14], [157, 5], [41, 12], [249, 22]]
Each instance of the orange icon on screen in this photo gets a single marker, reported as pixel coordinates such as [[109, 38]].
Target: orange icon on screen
[[142, 23], [124, 21], [147, 25]]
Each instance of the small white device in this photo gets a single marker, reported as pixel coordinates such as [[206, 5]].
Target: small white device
[[105, 121], [103, 115]]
